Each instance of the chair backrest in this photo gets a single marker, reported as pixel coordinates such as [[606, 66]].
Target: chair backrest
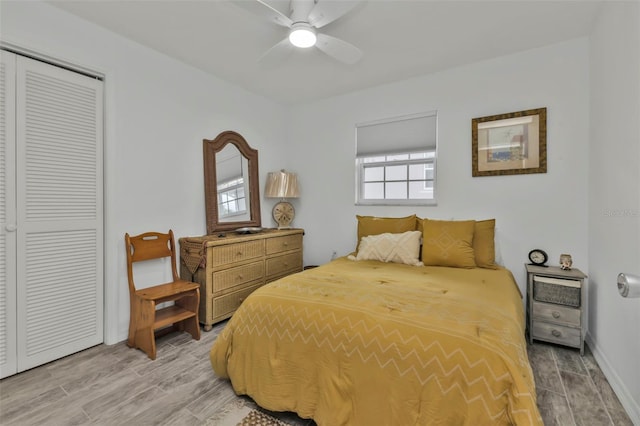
[[147, 246]]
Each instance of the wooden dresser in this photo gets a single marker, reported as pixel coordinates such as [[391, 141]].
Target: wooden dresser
[[229, 268]]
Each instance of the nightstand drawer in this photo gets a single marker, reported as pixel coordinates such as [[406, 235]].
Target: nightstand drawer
[[232, 277], [556, 333], [556, 290], [556, 313], [282, 244]]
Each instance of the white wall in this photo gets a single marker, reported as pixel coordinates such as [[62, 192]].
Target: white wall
[[538, 210], [614, 198], [158, 110]]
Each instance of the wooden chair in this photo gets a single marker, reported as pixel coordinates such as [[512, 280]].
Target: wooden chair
[[145, 318]]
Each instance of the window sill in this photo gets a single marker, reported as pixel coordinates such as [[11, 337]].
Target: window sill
[[397, 203]]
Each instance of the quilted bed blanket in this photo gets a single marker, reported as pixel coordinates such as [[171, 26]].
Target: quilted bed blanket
[[370, 343]]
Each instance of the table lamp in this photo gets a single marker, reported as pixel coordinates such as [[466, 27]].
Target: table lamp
[[282, 185]]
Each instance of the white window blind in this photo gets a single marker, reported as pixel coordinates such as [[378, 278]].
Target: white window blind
[[396, 159], [397, 135]]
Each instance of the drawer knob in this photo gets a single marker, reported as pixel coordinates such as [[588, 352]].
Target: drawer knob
[[239, 253], [240, 277], [556, 333], [556, 314], [285, 244]]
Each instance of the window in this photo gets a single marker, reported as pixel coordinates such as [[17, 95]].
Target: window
[[396, 161], [398, 177], [231, 198]]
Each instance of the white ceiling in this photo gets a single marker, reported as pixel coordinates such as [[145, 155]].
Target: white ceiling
[[400, 39]]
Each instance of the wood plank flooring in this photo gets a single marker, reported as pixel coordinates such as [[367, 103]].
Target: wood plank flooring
[[116, 385]]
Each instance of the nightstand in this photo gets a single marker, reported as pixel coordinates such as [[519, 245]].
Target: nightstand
[[556, 302]]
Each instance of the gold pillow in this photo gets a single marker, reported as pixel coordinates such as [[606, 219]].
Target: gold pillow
[[448, 243], [397, 248], [372, 225], [484, 244]]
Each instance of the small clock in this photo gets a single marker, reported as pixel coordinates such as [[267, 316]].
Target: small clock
[[283, 214], [538, 257]]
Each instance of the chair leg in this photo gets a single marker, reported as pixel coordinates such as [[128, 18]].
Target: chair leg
[[191, 303], [133, 317], [145, 337], [192, 327]]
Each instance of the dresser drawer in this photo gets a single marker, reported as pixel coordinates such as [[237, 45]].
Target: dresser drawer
[[232, 277], [232, 253], [556, 333], [285, 243], [225, 306], [287, 263], [556, 313]]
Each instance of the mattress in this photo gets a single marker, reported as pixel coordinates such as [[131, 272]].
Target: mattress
[[371, 343]]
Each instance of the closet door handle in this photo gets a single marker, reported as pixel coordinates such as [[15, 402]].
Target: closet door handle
[[10, 228]]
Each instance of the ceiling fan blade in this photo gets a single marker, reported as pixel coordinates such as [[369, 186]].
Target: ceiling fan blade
[[339, 49], [262, 8], [327, 11], [301, 9], [278, 53]]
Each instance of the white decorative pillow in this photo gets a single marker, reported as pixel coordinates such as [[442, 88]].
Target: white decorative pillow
[[397, 248]]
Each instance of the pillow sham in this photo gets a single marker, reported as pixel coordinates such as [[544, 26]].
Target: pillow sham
[[387, 247], [448, 243], [484, 244], [373, 225]]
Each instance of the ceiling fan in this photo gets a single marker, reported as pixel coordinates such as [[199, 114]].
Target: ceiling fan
[[305, 18]]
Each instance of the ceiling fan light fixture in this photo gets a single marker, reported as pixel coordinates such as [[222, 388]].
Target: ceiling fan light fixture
[[302, 35]]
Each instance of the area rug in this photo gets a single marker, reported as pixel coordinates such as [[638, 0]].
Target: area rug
[[238, 413]]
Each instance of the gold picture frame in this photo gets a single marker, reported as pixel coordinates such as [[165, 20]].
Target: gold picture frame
[[509, 144]]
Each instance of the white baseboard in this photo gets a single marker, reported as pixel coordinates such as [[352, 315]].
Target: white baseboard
[[622, 392]]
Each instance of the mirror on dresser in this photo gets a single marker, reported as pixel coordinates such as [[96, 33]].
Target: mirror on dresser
[[231, 187]]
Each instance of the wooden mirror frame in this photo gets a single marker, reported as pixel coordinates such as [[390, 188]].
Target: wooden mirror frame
[[210, 148]]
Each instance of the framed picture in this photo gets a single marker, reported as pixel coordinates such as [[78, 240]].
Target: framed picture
[[509, 144]]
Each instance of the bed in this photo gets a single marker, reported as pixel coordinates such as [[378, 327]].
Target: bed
[[366, 342]]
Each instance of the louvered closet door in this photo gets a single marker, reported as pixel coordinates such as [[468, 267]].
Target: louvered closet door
[[59, 212], [8, 354]]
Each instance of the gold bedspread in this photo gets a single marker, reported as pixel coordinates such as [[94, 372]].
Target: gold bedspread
[[370, 343]]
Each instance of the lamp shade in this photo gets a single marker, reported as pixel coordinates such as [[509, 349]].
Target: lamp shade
[[282, 185]]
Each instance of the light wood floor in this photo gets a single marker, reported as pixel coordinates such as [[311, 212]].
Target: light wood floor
[[116, 385]]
